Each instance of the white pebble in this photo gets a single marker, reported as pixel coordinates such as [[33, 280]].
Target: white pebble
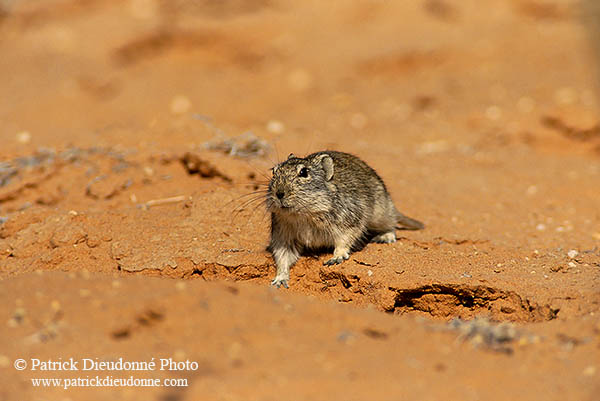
[[572, 253], [540, 227], [532, 190], [275, 127], [24, 137], [571, 264]]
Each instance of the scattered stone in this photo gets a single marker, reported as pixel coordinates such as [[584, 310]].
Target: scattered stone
[[375, 334], [23, 137], [532, 190], [346, 337], [7, 171], [577, 133], [180, 104], [55, 305], [4, 361], [572, 254], [244, 146], [275, 127], [589, 371], [196, 165], [481, 331], [179, 355]]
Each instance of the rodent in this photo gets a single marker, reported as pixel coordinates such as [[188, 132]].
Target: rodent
[[326, 200]]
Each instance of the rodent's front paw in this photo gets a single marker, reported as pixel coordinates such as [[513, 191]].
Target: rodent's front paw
[[336, 260], [278, 282]]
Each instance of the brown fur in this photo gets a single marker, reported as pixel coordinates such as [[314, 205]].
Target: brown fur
[[328, 200]]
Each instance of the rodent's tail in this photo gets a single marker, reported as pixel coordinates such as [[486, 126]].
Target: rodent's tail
[[408, 223]]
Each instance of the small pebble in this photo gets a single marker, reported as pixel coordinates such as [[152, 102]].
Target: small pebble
[[24, 137], [4, 361], [493, 113], [572, 253], [55, 305], [540, 227], [589, 371], [180, 104], [275, 127], [300, 80], [532, 190], [565, 96], [19, 314], [369, 273], [179, 355], [571, 264]]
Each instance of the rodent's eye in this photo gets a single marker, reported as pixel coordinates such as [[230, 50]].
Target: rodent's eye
[[303, 172]]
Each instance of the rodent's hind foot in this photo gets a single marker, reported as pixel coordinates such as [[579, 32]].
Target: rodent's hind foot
[[385, 238], [336, 260], [278, 282]]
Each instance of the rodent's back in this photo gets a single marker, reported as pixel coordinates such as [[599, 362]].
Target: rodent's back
[[352, 176]]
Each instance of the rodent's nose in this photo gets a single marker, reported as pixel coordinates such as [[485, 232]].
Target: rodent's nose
[[279, 194]]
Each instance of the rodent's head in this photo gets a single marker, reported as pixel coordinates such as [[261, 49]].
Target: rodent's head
[[301, 186]]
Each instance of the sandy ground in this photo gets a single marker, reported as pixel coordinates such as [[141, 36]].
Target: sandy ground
[[133, 134]]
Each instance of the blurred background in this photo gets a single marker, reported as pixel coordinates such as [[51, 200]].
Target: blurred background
[[96, 70]]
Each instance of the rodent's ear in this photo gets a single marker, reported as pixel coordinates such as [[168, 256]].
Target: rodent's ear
[[291, 155], [327, 164]]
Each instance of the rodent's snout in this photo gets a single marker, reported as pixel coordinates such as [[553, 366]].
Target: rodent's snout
[[279, 194]]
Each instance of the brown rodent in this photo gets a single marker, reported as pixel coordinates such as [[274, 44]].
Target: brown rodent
[[328, 200]]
